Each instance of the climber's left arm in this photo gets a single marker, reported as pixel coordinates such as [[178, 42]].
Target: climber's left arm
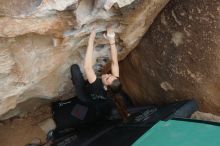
[[114, 54]]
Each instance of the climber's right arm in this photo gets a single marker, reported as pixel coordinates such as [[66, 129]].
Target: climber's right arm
[[90, 74]]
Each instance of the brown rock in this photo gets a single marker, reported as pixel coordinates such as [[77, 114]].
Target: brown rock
[[178, 58]]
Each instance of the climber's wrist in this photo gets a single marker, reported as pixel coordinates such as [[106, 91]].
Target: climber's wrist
[[112, 44], [111, 41]]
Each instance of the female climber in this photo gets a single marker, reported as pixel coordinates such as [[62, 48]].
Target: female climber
[[94, 91]]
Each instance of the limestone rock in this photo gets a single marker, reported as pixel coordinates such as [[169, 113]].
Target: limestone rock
[[121, 3], [205, 117], [40, 39], [178, 58], [34, 8]]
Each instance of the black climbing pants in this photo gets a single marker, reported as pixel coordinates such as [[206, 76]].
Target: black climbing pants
[[80, 84]]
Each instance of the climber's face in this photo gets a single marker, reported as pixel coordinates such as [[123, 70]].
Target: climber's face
[[107, 79]]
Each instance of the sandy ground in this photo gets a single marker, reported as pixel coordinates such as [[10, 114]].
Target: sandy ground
[[20, 131]]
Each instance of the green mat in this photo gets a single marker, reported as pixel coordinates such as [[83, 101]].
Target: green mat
[[180, 133]]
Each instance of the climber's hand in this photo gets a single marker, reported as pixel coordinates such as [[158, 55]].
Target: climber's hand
[[110, 35], [93, 33]]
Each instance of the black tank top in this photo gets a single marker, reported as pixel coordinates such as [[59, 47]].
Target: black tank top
[[96, 90], [99, 96]]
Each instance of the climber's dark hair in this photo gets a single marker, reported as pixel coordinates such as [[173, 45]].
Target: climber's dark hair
[[114, 92], [115, 86]]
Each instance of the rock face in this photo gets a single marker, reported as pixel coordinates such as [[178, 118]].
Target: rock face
[[40, 39], [179, 57]]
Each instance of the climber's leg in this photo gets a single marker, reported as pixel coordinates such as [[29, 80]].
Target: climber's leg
[[79, 82]]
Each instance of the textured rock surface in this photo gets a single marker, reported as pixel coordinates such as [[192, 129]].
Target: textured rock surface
[[179, 57], [40, 39], [205, 117]]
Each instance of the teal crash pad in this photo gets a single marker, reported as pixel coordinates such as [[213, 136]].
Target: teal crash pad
[[180, 133]]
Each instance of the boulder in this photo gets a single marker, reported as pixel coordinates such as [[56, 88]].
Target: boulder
[[178, 58], [40, 39]]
